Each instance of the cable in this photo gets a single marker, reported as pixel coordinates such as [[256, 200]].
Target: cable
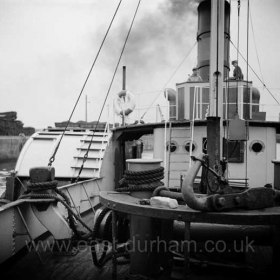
[[238, 28], [52, 158], [217, 61], [237, 55], [253, 33], [107, 94], [173, 74], [247, 70], [264, 85]]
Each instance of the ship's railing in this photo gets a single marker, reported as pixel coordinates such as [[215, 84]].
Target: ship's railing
[[143, 112], [193, 101], [105, 140]]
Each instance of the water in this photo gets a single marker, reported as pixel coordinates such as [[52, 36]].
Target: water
[[5, 167], [7, 164]]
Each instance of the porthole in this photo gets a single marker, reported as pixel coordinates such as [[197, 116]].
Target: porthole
[[257, 146], [173, 146], [188, 146]]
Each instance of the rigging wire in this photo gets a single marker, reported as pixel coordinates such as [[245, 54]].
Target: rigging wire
[[226, 131], [52, 158], [238, 27], [264, 85], [247, 70], [173, 74], [107, 94], [253, 33], [237, 54]]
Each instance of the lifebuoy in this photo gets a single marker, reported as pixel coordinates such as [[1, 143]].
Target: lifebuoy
[[124, 103]]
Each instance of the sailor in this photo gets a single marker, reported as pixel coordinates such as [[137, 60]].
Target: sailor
[[237, 72], [195, 77]]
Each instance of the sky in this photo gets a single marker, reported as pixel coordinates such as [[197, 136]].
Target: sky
[[47, 48]]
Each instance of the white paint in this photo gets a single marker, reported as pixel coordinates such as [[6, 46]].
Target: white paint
[[260, 168]]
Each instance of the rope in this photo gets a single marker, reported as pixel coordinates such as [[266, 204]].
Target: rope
[[169, 151], [237, 55], [264, 85], [52, 158], [138, 180], [247, 70], [226, 131], [238, 28], [254, 38], [4, 201], [152, 171], [126, 39], [192, 122], [143, 180], [141, 177], [42, 186]]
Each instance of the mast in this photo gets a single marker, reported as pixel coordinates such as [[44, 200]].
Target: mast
[[216, 72], [124, 89], [216, 79]]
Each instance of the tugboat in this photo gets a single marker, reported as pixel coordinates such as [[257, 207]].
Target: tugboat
[[215, 124], [211, 185]]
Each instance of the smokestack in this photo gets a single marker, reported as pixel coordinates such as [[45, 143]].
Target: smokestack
[[203, 38]]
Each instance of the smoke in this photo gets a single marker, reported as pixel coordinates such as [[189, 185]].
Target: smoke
[[160, 34], [159, 39], [178, 7]]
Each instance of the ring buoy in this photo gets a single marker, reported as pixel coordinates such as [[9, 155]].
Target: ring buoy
[[124, 103]]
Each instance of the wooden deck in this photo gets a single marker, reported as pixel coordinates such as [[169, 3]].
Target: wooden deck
[[56, 267], [81, 267], [75, 267]]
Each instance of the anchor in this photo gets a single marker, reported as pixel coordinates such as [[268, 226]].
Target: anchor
[[250, 199]]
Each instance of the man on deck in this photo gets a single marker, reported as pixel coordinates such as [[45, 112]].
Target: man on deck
[[195, 77], [237, 72]]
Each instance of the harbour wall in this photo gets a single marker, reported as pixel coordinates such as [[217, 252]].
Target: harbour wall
[[10, 147]]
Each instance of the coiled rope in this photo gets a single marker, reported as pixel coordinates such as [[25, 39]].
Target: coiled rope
[[147, 180]]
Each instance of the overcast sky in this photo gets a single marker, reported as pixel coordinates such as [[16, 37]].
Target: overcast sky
[[47, 47]]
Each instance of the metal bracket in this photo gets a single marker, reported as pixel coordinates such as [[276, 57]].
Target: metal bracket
[[52, 220]]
